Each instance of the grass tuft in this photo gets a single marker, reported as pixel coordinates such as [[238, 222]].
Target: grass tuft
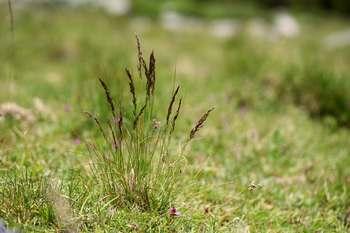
[[24, 197], [321, 92], [134, 164]]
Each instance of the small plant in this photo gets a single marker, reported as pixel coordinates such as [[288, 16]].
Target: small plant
[[134, 163]]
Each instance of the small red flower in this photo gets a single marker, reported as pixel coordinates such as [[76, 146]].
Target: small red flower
[[67, 108], [173, 212], [77, 141]]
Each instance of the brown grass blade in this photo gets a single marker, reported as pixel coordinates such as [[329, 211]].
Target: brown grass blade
[[176, 116], [132, 90]]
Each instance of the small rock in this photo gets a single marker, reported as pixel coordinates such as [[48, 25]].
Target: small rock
[[114, 7], [337, 39], [224, 28], [174, 21], [286, 25], [3, 229]]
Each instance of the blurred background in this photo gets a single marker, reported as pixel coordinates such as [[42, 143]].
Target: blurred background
[[277, 71], [263, 52]]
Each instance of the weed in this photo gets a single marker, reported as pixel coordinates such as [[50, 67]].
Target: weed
[[135, 165]]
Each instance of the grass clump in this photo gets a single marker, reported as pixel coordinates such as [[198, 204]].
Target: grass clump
[[322, 93], [136, 165], [24, 198]]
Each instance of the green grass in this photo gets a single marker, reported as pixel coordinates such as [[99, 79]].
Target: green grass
[[264, 162]]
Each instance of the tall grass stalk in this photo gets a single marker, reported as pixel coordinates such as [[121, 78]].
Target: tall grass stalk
[[134, 164]]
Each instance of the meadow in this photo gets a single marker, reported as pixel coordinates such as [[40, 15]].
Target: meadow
[[273, 155]]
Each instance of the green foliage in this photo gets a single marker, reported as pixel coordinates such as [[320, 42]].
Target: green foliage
[[262, 165], [24, 197], [321, 92]]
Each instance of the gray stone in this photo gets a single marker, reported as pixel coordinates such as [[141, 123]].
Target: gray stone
[[337, 39]]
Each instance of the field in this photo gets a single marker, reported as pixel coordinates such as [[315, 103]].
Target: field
[[273, 156]]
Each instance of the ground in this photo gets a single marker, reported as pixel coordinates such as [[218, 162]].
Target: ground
[[263, 162]]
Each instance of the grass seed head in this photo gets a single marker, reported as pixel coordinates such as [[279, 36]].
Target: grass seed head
[[199, 124], [170, 107], [152, 72], [108, 96], [132, 90], [140, 59], [176, 116]]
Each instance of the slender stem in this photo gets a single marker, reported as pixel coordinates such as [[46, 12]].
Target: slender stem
[[12, 27]]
